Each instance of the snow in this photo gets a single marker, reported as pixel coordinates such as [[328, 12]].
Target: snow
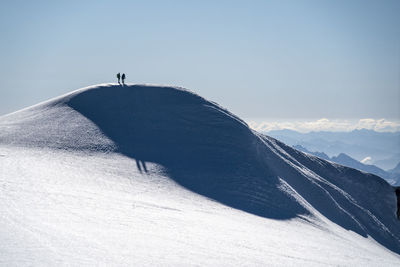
[[213, 192]]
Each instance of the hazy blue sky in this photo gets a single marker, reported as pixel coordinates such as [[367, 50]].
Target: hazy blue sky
[[268, 59]]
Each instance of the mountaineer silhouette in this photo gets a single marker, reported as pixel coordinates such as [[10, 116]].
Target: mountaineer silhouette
[[123, 78], [118, 77]]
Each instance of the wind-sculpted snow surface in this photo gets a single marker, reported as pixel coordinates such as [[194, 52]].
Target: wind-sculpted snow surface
[[176, 136]]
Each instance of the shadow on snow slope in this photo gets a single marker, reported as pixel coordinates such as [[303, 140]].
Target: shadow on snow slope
[[201, 146]]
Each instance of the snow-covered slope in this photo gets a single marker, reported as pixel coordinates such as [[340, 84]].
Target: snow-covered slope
[[158, 175]]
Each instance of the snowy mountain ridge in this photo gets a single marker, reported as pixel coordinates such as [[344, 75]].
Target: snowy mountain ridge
[[160, 159]]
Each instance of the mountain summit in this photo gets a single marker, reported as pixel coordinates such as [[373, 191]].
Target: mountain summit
[[195, 148]]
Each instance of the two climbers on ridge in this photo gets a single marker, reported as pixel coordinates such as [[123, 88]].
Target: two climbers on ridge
[[121, 77]]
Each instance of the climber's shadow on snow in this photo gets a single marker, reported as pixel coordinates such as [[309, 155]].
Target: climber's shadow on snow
[[141, 166], [202, 147]]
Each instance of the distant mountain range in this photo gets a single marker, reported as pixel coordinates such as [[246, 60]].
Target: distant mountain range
[[392, 176], [382, 147]]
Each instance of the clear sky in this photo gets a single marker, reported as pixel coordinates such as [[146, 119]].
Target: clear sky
[[295, 59]]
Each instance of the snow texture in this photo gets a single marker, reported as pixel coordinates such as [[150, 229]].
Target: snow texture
[[155, 175]]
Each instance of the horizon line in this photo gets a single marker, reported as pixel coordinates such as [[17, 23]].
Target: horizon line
[[381, 125]]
